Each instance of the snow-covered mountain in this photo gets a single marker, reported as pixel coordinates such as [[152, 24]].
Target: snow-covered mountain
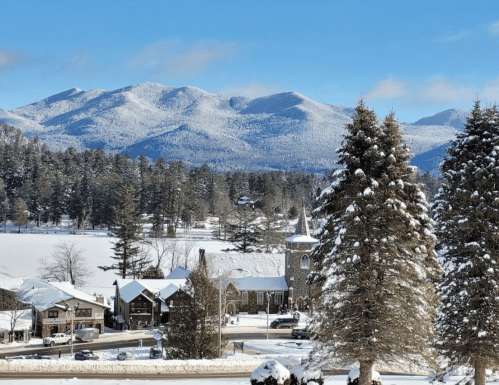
[[281, 131]]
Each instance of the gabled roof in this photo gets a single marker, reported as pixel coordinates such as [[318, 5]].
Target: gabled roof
[[260, 284], [178, 273], [130, 289], [43, 294]]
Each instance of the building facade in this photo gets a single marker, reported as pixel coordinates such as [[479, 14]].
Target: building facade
[[298, 266]]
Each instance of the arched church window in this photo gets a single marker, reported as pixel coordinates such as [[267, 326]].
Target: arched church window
[[304, 262]]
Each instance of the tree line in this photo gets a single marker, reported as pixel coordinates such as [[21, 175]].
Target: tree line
[[43, 185]]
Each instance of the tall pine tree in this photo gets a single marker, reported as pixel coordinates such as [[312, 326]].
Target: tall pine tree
[[467, 214], [127, 226], [375, 259]]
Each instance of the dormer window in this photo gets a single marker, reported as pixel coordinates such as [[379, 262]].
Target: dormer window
[[304, 262]]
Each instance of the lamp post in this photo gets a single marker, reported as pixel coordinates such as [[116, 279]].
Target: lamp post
[[72, 311], [268, 311]]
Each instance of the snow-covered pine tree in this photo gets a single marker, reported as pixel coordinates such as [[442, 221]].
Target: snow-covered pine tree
[[467, 215], [375, 258], [127, 226]]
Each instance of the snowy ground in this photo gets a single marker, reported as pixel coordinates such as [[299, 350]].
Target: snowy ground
[[331, 380], [20, 253]]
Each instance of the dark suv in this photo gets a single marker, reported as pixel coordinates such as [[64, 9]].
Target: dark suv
[[300, 333], [284, 323]]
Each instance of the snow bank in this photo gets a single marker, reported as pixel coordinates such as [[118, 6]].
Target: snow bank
[[130, 367]]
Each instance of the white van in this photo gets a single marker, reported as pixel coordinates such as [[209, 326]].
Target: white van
[[87, 335]]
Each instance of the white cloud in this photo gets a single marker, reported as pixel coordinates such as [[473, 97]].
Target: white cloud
[[11, 59], [439, 90], [254, 89], [494, 29], [387, 89], [172, 58], [452, 38], [490, 92]]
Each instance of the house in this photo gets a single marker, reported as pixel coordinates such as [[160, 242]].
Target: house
[[246, 202], [257, 294], [13, 311], [143, 302], [22, 328], [51, 303]]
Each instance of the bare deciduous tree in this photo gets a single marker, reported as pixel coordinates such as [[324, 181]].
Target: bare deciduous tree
[[15, 309], [67, 263]]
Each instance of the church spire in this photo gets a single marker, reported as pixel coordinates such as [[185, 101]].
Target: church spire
[[302, 225]]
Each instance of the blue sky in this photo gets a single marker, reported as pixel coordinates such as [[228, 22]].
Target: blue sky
[[415, 57]]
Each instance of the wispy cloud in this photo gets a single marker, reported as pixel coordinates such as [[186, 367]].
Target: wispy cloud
[[436, 90], [9, 59], [494, 28], [490, 92], [79, 60], [455, 37], [432, 91], [254, 89], [387, 89], [172, 58]]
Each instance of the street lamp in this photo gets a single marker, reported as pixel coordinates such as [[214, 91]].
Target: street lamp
[[268, 311], [72, 311]]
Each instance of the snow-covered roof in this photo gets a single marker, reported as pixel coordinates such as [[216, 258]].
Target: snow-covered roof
[[43, 294], [23, 323], [240, 265], [10, 283], [168, 291], [261, 283], [130, 288], [301, 239], [178, 273]]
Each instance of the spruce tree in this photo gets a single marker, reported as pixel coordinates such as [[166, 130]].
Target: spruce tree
[[193, 332], [375, 258], [127, 226], [20, 213], [467, 215]]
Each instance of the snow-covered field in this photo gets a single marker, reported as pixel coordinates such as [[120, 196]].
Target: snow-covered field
[[20, 253]]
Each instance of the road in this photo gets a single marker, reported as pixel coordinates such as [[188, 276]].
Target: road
[[280, 334]]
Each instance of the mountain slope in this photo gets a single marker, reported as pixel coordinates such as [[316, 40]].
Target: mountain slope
[[283, 131]]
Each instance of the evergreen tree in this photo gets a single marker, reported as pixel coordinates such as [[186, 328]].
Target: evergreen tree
[[193, 333], [245, 233], [467, 214], [127, 224], [20, 213], [375, 258]]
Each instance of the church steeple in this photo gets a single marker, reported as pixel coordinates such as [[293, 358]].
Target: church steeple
[[302, 225]]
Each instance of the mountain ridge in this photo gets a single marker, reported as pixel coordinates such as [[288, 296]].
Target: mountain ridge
[[285, 130]]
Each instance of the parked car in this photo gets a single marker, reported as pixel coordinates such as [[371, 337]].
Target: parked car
[[155, 352], [125, 356], [57, 338], [284, 323], [300, 333], [83, 355]]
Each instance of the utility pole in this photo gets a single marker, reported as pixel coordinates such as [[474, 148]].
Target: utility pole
[[72, 311]]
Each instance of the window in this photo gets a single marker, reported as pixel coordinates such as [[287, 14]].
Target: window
[[304, 262], [53, 313], [83, 313], [244, 298], [259, 298], [279, 298]]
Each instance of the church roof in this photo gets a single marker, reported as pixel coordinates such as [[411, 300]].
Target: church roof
[[302, 232]]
